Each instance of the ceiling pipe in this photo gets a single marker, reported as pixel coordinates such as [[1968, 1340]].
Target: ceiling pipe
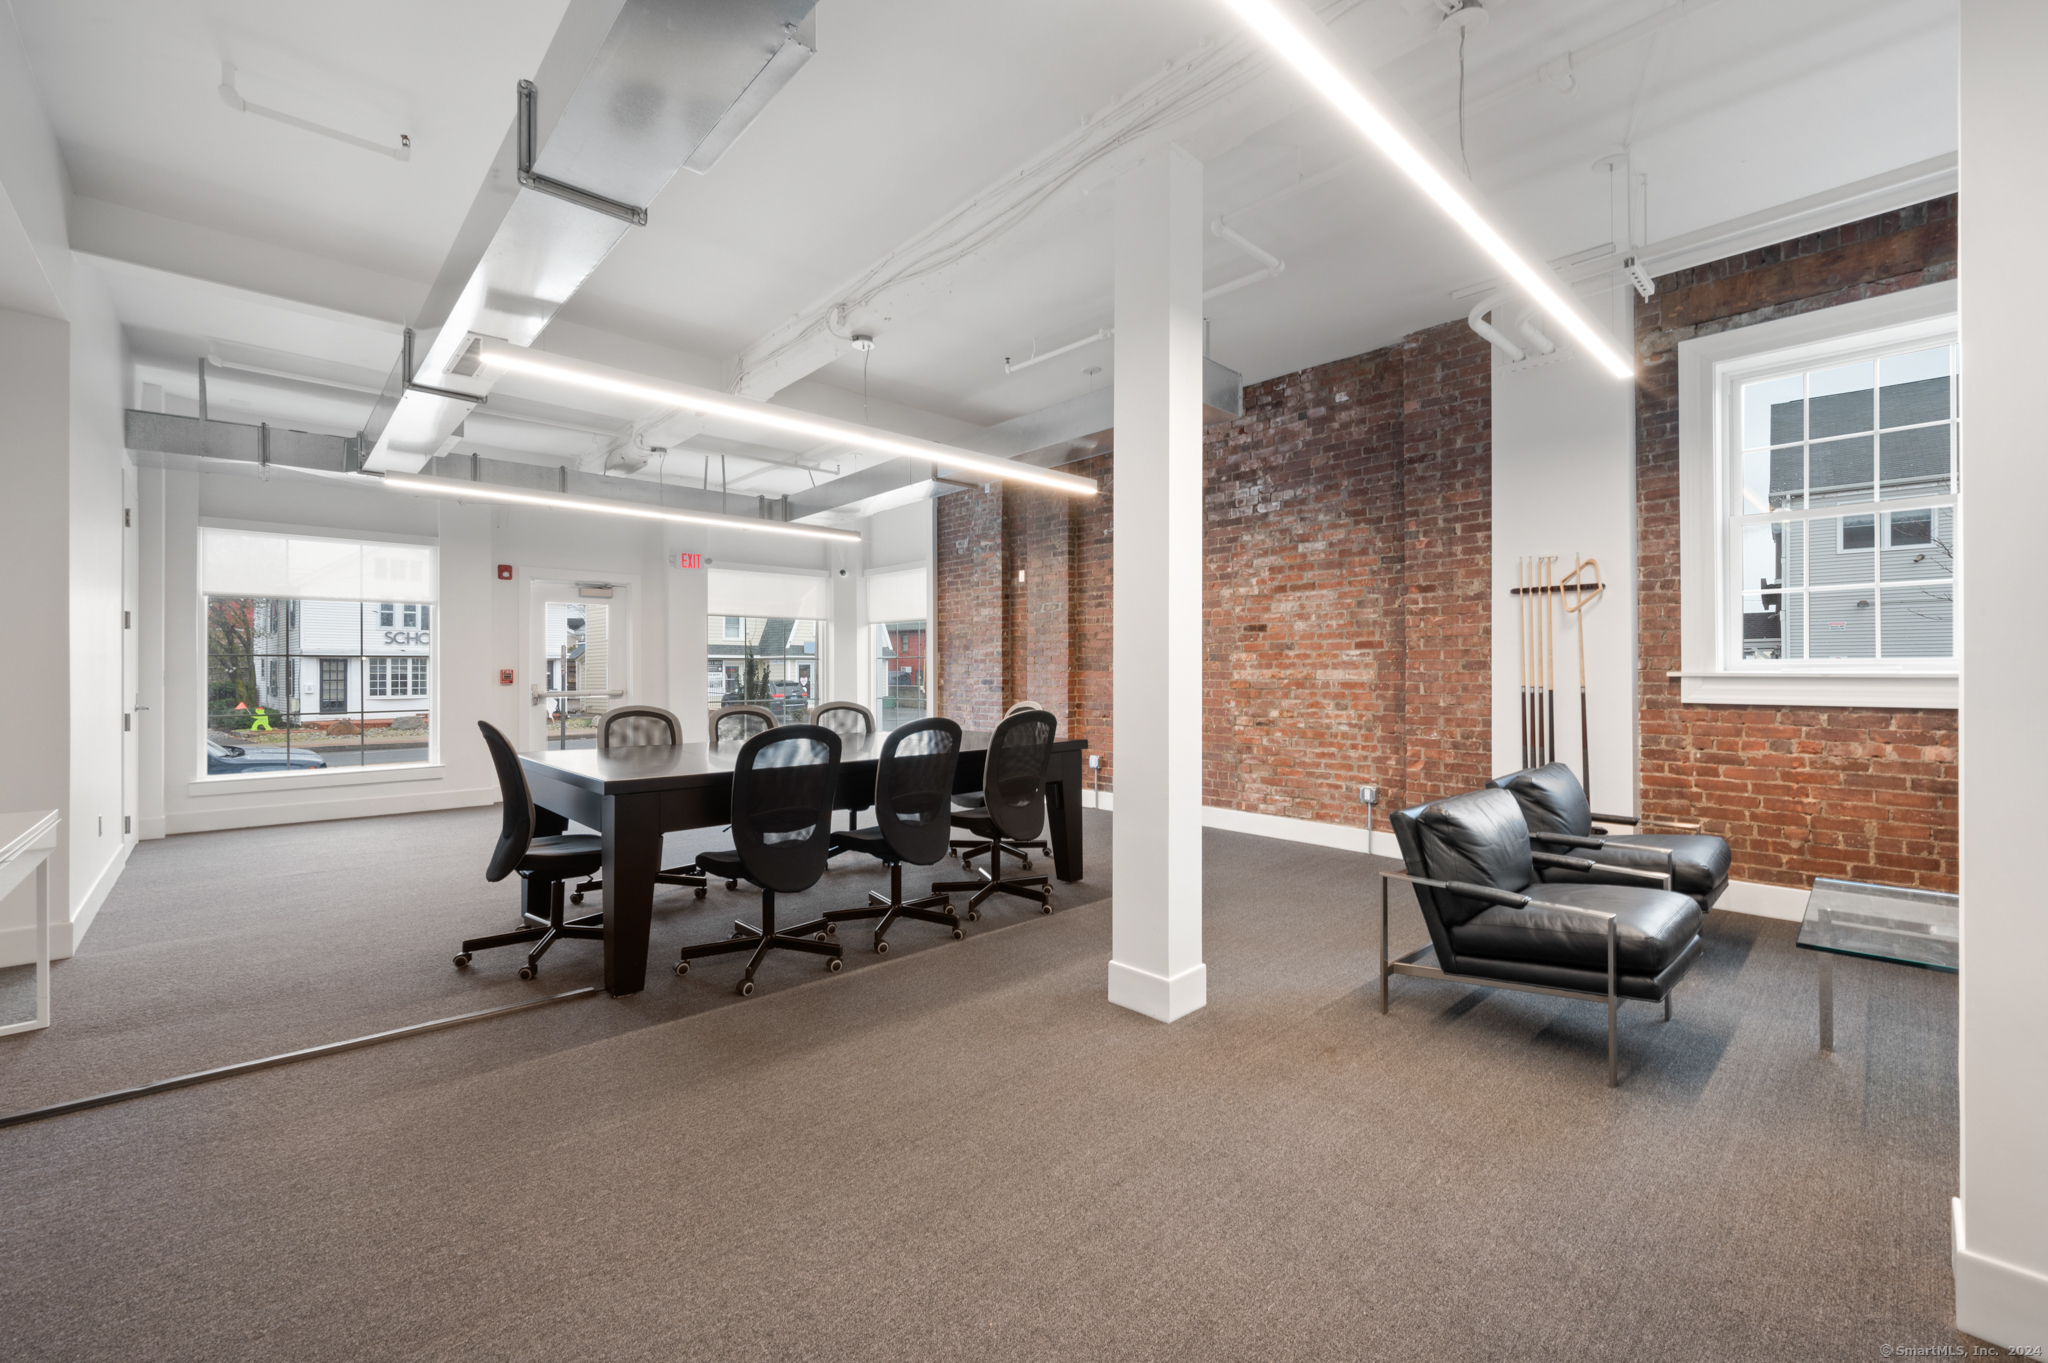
[[1477, 318], [1274, 265], [1011, 367], [1526, 324]]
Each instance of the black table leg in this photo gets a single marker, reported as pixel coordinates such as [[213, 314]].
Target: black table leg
[[632, 855], [1063, 812]]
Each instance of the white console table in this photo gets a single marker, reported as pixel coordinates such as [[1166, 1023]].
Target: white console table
[[26, 841]]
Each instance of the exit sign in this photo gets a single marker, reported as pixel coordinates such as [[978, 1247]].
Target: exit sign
[[686, 560]]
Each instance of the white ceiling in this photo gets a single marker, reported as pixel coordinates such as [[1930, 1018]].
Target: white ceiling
[[910, 109]]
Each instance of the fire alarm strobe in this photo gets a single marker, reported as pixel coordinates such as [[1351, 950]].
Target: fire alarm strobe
[[504, 572], [504, 676]]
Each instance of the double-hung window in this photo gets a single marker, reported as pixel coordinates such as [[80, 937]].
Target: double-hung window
[[1821, 478], [357, 613]]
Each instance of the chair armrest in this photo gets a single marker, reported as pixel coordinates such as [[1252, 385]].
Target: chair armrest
[[1465, 888], [1569, 840], [1568, 863], [1653, 821]]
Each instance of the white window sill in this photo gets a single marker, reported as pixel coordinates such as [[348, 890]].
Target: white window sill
[[262, 783], [1830, 690]]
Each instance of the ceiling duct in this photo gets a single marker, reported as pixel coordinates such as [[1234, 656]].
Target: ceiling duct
[[629, 92]]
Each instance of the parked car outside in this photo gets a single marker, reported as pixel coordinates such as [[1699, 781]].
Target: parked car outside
[[228, 759]]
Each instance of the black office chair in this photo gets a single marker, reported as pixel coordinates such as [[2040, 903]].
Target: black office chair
[[1496, 916], [738, 723], [641, 726], [542, 864], [913, 780], [971, 799], [1554, 806], [1013, 789], [783, 785], [850, 721]]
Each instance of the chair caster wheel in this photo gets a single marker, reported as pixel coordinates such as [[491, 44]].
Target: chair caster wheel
[[527, 972], [974, 915], [746, 988], [821, 936], [1027, 863], [835, 965], [462, 961], [701, 892], [575, 896], [682, 967], [881, 947], [1045, 908], [959, 933], [732, 884], [831, 929]]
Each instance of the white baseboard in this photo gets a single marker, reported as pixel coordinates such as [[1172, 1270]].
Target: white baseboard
[[1341, 836], [1995, 1300], [361, 807], [1787, 902], [1156, 996], [152, 828], [65, 937]]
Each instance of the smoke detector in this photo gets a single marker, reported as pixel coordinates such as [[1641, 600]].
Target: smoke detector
[[863, 341]]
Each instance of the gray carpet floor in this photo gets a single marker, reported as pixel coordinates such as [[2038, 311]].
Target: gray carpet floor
[[17, 994], [956, 1151]]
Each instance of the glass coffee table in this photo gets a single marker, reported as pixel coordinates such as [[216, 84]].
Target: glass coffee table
[[1878, 923]]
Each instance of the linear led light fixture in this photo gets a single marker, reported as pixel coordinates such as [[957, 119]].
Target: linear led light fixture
[[569, 501], [1288, 34], [496, 354]]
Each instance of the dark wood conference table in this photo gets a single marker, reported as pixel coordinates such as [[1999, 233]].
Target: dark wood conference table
[[632, 796]]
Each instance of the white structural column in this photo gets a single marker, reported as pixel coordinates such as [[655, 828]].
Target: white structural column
[[2001, 1221], [1155, 963]]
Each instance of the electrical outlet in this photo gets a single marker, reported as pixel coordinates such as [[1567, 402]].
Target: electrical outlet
[[1095, 760], [1368, 795]]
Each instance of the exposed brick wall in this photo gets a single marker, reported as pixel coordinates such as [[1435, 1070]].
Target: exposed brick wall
[[1856, 794], [1307, 605], [1447, 487], [967, 650]]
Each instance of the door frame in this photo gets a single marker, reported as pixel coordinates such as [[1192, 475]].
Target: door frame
[[531, 580]]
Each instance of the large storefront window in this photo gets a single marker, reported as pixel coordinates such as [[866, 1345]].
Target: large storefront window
[[765, 660], [317, 672], [900, 695]]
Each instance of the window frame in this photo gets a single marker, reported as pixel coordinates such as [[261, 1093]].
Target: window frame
[[204, 783], [1712, 371]]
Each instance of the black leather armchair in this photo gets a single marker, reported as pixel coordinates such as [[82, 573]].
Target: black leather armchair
[[1497, 918], [1554, 806]]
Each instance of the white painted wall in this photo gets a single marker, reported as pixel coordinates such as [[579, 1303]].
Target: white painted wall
[[1564, 484], [2001, 1220], [61, 470]]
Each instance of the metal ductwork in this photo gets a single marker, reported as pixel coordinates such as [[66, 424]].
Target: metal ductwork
[[630, 92]]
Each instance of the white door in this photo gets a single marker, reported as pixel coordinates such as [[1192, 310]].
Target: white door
[[581, 662], [131, 658]]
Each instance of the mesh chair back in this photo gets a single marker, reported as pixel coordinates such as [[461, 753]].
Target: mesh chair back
[[516, 833], [845, 718], [738, 723], [638, 726], [783, 786], [914, 789], [1013, 779], [1020, 707]]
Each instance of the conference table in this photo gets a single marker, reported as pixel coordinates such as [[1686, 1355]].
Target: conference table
[[632, 796]]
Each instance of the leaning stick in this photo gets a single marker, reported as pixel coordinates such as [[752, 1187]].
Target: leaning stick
[[1536, 680], [1550, 657], [1522, 652], [1578, 606]]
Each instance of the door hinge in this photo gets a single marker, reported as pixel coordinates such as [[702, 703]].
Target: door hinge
[[127, 723], [127, 620], [127, 518], [126, 826]]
